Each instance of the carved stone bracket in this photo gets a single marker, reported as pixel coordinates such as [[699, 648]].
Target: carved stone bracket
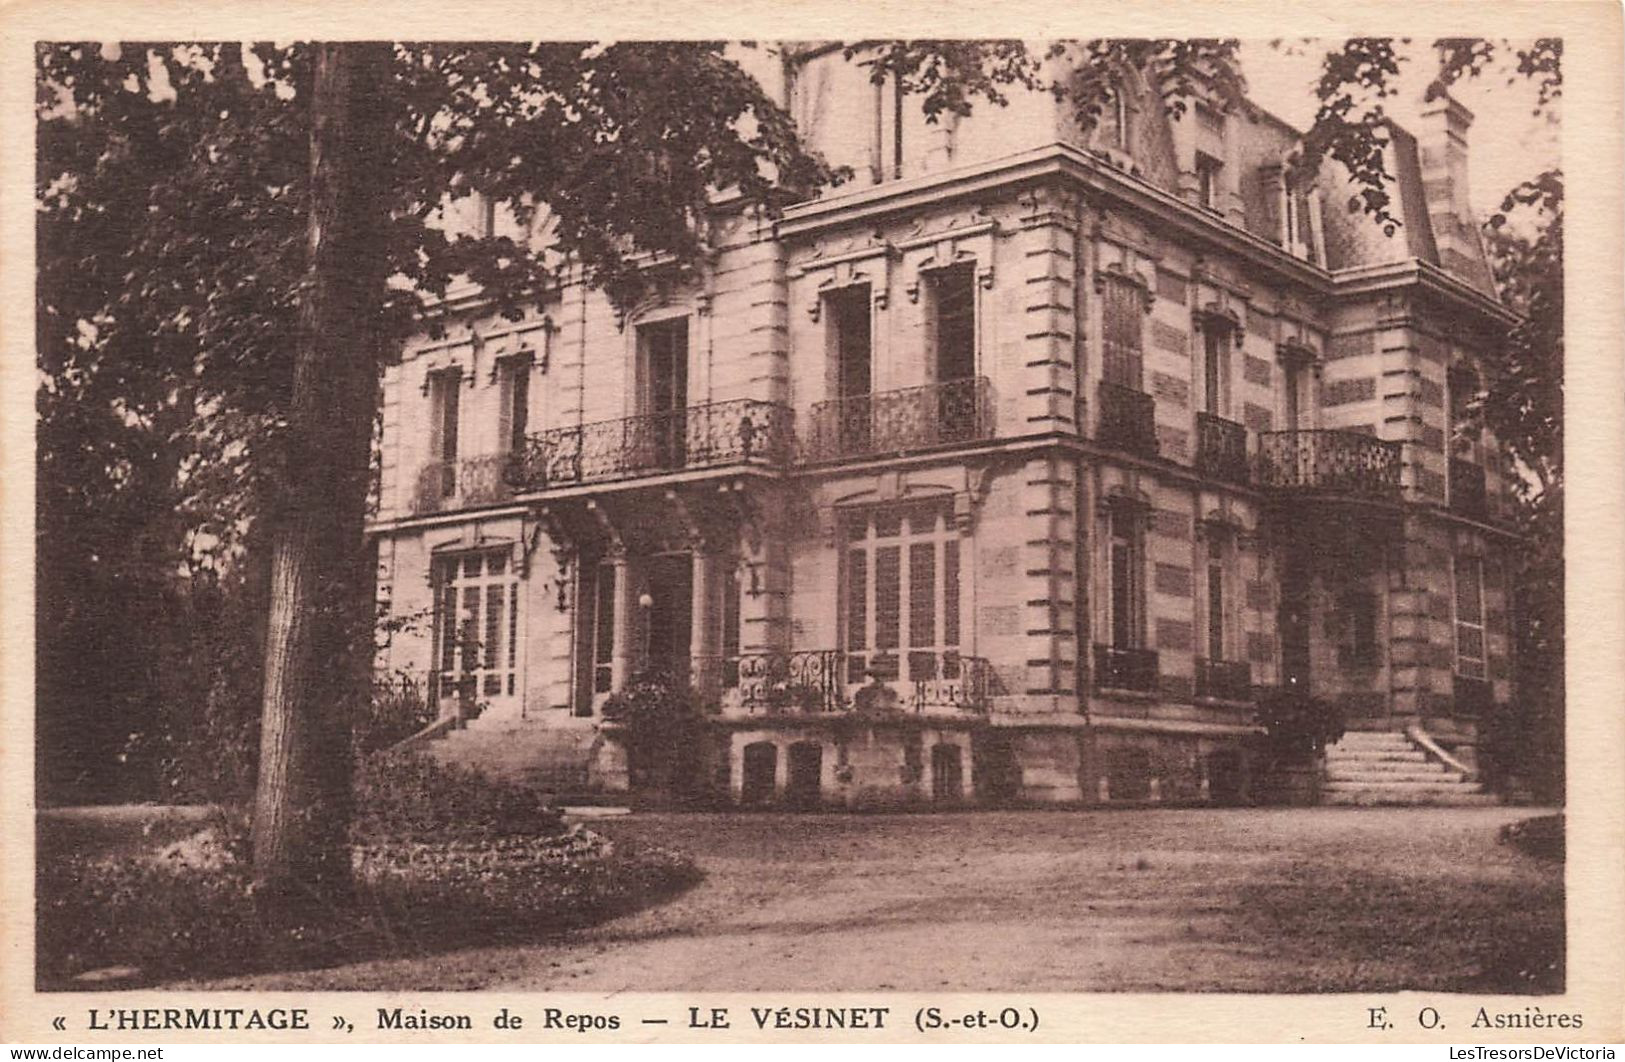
[[693, 533], [862, 259], [612, 534], [1045, 205], [1219, 317], [1294, 351], [968, 238]]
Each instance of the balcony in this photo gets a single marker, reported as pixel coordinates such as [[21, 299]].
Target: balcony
[[740, 432], [1224, 680], [1467, 494], [1134, 670], [949, 413], [1221, 448], [1128, 420], [826, 681], [1329, 462], [446, 486]]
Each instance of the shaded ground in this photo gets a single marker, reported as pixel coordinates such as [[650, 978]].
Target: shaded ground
[[1288, 900]]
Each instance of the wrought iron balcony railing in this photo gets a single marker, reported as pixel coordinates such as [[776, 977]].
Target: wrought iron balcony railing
[[820, 681], [445, 486], [950, 412], [1117, 668], [744, 431], [1128, 420], [1467, 494], [1221, 448], [1224, 680], [1329, 461]]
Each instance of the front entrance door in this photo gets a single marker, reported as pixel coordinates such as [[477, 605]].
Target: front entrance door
[[669, 623], [1293, 621]]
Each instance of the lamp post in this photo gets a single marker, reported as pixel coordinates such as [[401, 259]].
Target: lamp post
[[646, 604]]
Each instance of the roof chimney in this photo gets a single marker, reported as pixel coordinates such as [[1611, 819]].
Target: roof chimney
[[1443, 143]]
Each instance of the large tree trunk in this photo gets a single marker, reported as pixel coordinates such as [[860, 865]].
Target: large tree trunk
[[319, 639]]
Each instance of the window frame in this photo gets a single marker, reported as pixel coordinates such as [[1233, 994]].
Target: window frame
[[490, 636], [1466, 665], [862, 626], [1125, 539], [1122, 331], [1208, 188]]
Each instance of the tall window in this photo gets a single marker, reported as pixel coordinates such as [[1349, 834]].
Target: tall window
[[1466, 436], [851, 357], [1207, 180], [851, 343], [595, 632], [1215, 366], [514, 417], [1120, 130], [445, 396], [1357, 644], [1122, 308], [1215, 599], [901, 587], [663, 390], [730, 628], [1469, 572], [477, 625], [953, 321], [1126, 564]]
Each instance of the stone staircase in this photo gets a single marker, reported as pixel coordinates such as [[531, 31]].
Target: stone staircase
[[563, 760], [1369, 768]]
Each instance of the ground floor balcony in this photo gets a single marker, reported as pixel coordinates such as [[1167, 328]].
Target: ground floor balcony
[[827, 681], [946, 413], [1328, 463]]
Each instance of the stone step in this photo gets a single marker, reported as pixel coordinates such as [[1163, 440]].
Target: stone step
[[1382, 766], [1374, 796], [1401, 789], [1374, 737], [1334, 754], [1422, 773]]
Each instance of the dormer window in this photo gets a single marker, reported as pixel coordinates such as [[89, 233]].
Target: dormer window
[[1120, 132], [1300, 223], [1207, 181]]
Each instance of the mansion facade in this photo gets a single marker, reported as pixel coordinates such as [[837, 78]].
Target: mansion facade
[[1012, 468]]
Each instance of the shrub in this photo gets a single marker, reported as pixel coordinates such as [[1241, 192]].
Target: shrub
[[189, 909], [407, 795], [664, 731], [1540, 837], [398, 708], [513, 887], [1297, 725]]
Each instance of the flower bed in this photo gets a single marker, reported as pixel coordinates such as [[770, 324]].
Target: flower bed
[[441, 857]]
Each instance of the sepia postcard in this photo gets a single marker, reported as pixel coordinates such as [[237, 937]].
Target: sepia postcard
[[814, 522]]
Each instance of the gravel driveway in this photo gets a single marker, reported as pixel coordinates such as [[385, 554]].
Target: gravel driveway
[[1287, 900]]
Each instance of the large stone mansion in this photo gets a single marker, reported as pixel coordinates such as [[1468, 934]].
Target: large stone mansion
[[1011, 468]]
